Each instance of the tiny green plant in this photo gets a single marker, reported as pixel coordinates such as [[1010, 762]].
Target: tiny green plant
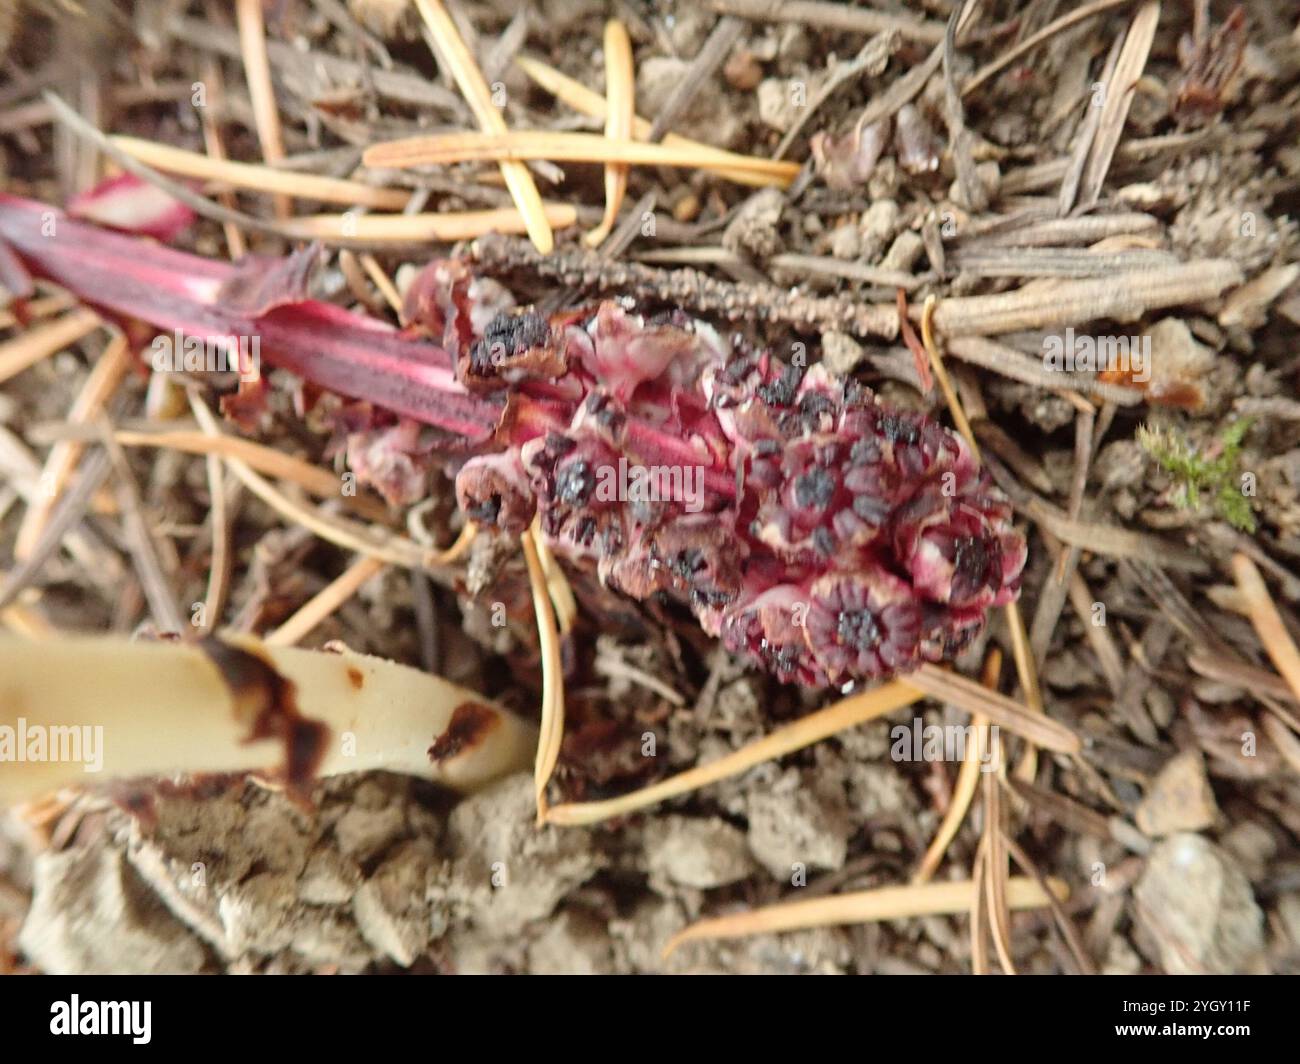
[[1198, 475]]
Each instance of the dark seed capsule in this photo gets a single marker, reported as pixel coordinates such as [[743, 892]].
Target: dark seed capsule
[[858, 629], [815, 489], [574, 484]]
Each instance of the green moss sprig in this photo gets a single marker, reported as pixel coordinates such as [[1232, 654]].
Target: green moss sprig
[[1217, 479]]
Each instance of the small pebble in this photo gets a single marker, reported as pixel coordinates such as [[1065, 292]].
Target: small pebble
[[1198, 907], [1179, 799], [687, 209], [743, 71]]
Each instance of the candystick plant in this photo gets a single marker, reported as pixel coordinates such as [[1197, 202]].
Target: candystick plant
[[809, 526]]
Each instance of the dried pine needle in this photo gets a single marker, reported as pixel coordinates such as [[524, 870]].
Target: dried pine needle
[[1008, 714], [968, 777], [847, 713], [460, 547], [321, 605], [583, 100], [25, 350], [216, 149], [884, 903], [1071, 18], [525, 144], [381, 281], [102, 381], [422, 228], [258, 178], [620, 110], [941, 374], [979, 944], [1027, 671], [38, 309], [997, 866], [364, 539], [1267, 621], [552, 726], [257, 72], [454, 54], [1288, 746], [320, 482], [25, 622], [219, 564], [557, 586]]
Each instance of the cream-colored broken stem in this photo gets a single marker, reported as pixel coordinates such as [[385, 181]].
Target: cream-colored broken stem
[[78, 712]]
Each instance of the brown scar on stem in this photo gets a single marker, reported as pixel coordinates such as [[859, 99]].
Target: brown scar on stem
[[265, 702], [470, 725], [356, 678]]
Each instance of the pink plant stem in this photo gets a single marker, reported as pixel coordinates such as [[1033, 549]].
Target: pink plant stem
[[358, 357]]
